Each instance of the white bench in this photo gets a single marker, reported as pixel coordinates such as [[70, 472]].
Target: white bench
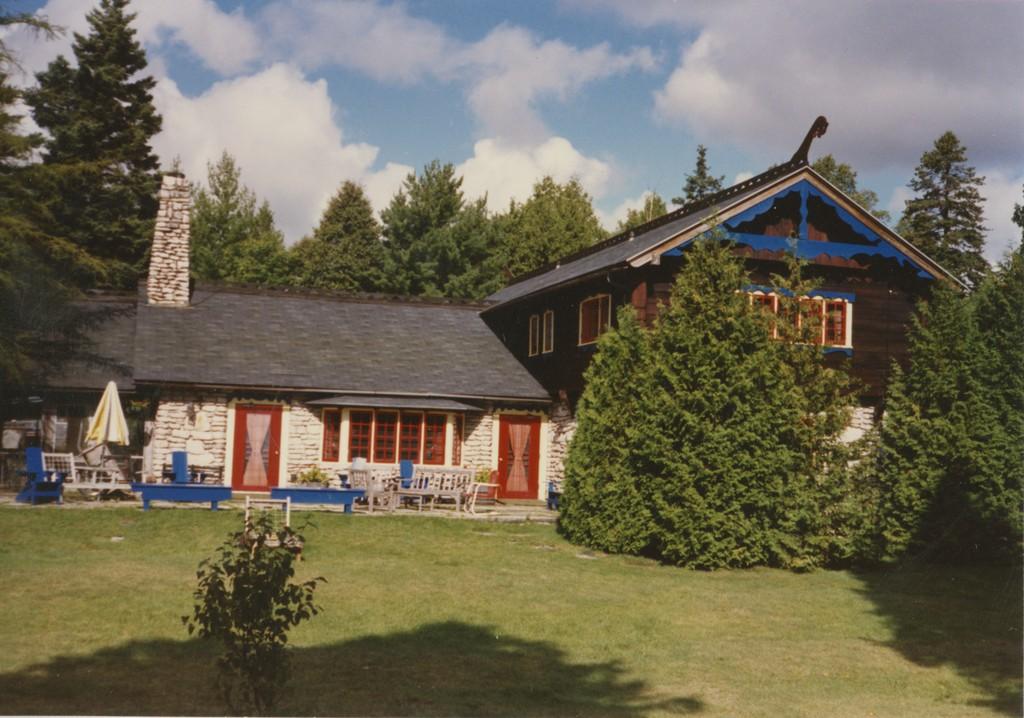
[[79, 475]]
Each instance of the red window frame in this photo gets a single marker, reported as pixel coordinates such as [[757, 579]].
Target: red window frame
[[434, 428], [332, 434], [533, 348], [360, 434], [595, 318], [410, 436], [835, 323], [385, 436], [548, 332], [457, 440]]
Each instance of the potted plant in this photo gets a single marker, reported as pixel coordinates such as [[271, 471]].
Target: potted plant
[[313, 477]]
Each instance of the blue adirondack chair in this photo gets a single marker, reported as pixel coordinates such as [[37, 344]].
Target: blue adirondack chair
[[405, 471], [179, 466], [40, 484]]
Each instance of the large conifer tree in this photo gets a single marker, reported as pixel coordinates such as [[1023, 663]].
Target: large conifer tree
[[100, 118], [704, 441], [700, 183], [944, 218], [345, 251], [234, 237], [556, 220]]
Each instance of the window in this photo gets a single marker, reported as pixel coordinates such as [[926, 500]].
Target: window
[[835, 323], [409, 438], [385, 435], [595, 317], [433, 438], [332, 434], [534, 341], [360, 428], [549, 332], [820, 320], [457, 441], [767, 303]]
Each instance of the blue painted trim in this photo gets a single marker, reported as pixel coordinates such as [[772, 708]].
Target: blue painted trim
[[838, 350], [824, 294]]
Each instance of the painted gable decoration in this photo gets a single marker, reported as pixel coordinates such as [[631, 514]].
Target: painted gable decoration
[[801, 218]]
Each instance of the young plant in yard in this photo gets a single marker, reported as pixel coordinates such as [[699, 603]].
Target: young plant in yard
[[247, 600]]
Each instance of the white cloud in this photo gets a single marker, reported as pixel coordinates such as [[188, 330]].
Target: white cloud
[[1002, 191], [505, 73], [742, 176], [890, 77], [224, 42], [227, 43], [281, 128], [505, 171], [610, 220]]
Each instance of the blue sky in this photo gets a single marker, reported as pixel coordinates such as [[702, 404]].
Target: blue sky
[[308, 93]]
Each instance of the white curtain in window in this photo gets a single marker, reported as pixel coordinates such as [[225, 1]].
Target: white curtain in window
[[519, 444], [257, 426]]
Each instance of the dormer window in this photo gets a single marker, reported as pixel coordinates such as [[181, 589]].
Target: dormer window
[[595, 317]]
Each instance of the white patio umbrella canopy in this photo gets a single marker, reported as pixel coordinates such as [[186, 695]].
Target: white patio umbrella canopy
[[108, 424]]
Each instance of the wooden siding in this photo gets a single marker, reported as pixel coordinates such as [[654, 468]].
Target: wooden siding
[[885, 297]]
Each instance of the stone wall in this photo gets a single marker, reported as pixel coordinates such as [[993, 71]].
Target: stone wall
[[194, 422], [477, 450], [563, 426], [304, 435], [861, 422], [167, 282]]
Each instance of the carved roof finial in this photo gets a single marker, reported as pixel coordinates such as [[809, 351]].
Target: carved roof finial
[[817, 130]]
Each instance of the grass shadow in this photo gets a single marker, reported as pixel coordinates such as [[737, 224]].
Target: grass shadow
[[967, 618], [439, 669]]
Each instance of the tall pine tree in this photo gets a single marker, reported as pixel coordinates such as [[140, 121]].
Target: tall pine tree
[[41, 325], [844, 177], [556, 220], [700, 183], [345, 251], [100, 118], [944, 218], [234, 238]]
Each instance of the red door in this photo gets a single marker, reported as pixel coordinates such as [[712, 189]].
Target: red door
[[519, 456], [257, 448]]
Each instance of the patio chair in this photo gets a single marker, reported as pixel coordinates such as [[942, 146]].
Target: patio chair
[[406, 469], [481, 494], [179, 467], [39, 483]]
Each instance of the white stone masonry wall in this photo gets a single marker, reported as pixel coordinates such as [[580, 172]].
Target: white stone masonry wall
[[304, 435], [193, 422], [862, 419], [167, 282], [477, 450], [563, 426]]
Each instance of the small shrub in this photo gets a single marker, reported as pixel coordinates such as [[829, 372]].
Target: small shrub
[[314, 476], [247, 601]]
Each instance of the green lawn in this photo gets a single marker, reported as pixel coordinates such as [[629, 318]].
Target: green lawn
[[433, 617]]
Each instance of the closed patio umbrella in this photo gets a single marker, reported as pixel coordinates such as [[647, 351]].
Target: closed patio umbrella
[[108, 425]]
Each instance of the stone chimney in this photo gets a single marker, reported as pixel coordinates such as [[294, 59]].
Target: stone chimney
[[167, 283]]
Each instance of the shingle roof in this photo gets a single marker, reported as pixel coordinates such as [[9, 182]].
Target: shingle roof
[[614, 252], [113, 344], [280, 339]]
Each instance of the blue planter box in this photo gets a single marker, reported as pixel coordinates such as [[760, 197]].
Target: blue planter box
[[191, 493], [316, 495]]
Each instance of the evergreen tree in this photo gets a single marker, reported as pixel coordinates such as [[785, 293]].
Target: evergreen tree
[[844, 177], [100, 117], [414, 221], [345, 251], [234, 238], [949, 462], [707, 437], [557, 220], [654, 206], [700, 183], [41, 326], [944, 218]]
